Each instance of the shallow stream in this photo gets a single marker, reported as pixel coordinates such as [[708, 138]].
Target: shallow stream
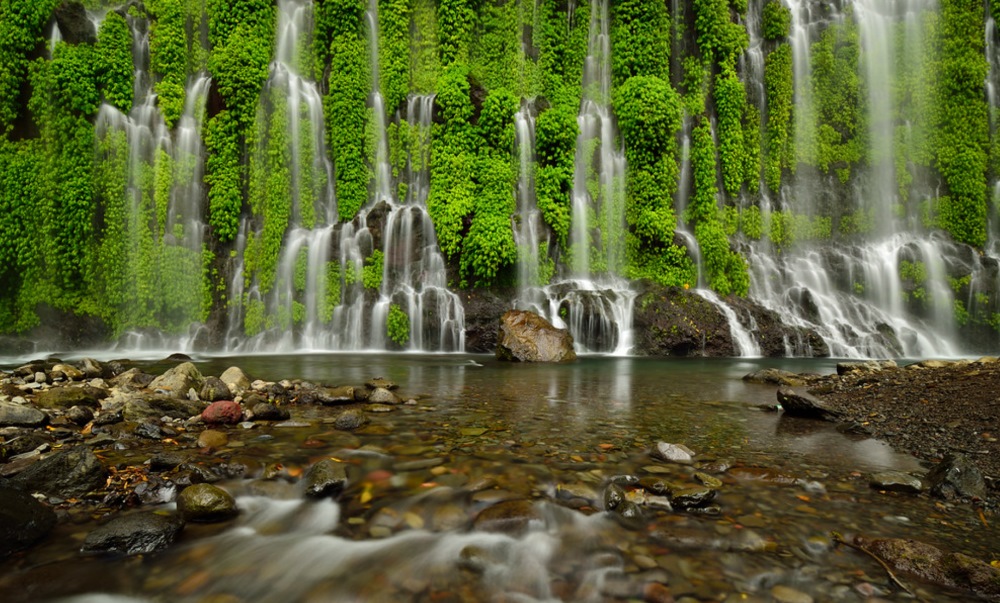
[[475, 432]]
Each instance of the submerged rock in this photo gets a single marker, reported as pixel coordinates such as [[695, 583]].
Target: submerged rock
[[350, 420], [509, 517], [134, 534], [672, 453], [23, 520], [934, 565], [326, 478], [896, 481], [527, 337], [206, 503], [774, 376]]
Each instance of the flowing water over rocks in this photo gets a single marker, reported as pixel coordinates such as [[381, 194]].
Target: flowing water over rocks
[[471, 480]]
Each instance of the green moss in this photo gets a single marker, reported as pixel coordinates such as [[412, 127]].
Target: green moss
[[776, 21], [371, 274], [397, 325]]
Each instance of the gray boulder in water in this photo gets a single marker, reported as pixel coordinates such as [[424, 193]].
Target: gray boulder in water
[[527, 337]]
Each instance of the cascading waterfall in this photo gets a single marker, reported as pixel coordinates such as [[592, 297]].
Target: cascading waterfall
[[886, 293], [527, 222], [595, 303]]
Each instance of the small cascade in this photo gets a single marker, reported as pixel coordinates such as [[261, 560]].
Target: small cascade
[[801, 39], [744, 342], [594, 302], [527, 222], [55, 36]]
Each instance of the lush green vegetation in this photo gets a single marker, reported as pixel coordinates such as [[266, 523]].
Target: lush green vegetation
[[106, 241]]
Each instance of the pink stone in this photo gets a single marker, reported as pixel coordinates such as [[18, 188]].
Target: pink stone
[[224, 411]]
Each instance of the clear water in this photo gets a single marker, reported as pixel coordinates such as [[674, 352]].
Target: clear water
[[480, 431]]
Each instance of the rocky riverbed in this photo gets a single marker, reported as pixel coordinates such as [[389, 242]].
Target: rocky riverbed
[[174, 485]]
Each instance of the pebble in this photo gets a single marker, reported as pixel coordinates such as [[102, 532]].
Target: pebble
[[786, 594]]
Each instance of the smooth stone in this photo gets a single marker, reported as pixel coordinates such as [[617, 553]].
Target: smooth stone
[[69, 473], [786, 594], [23, 520], [224, 412], [211, 438], [527, 337], [214, 389], [674, 453], [67, 396], [896, 481], [265, 411], [16, 415], [326, 478], [236, 380], [80, 415], [206, 503], [381, 395], [70, 372], [139, 406], [350, 420], [707, 480], [134, 534], [178, 380]]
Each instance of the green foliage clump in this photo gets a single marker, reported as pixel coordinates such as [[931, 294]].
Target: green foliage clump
[[394, 51], [778, 145], [116, 71], [371, 274], [730, 106], [497, 58], [456, 19], [962, 141], [840, 142], [224, 175], [168, 56], [397, 325], [21, 23], [776, 21], [331, 297], [726, 270], [555, 143], [640, 40], [721, 41], [452, 194]]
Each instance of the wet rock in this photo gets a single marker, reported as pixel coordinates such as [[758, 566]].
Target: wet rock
[[91, 368], [64, 397], [177, 381], [108, 417], [149, 430], [225, 412], [134, 534], [75, 24], [165, 461], [326, 478], [214, 390], [380, 382], [707, 480], [931, 563], [206, 503], [614, 495], [23, 520], [896, 481], [210, 438], [863, 367], [68, 371], [18, 415], [69, 473], [265, 411], [80, 415], [236, 380], [774, 376], [350, 420], [328, 396], [138, 407], [956, 477], [381, 395], [132, 380], [672, 453], [694, 496], [581, 494], [527, 337], [509, 517], [804, 404]]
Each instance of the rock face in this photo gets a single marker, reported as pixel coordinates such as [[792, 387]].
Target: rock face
[[527, 337], [803, 404], [23, 520], [69, 473], [957, 477], [134, 534]]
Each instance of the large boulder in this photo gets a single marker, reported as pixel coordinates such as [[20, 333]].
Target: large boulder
[[527, 337], [139, 406], [803, 404], [65, 397], [957, 477], [179, 380], [23, 520], [19, 415], [134, 534], [69, 473]]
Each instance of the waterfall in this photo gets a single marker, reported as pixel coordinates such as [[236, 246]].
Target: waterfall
[[527, 223], [743, 340]]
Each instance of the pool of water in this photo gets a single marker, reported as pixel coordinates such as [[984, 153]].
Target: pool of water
[[477, 432]]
